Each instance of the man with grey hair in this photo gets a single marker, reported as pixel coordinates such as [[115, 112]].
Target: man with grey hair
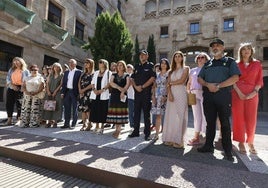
[[69, 93]]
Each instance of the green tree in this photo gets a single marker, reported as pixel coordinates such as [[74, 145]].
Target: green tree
[[151, 49], [112, 40], [136, 57]]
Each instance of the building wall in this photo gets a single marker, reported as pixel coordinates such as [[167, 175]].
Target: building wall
[[146, 17], [36, 43]]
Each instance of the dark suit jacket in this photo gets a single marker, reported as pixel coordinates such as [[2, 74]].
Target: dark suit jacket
[[77, 75]]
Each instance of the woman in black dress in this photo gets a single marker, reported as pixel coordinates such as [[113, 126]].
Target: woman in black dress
[[85, 88], [118, 109]]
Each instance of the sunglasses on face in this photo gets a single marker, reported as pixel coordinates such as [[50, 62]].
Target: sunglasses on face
[[201, 57]]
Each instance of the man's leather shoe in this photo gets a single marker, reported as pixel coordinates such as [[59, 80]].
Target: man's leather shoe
[[229, 157], [65, 127], [147, 138], [205, 149], [132, 135]]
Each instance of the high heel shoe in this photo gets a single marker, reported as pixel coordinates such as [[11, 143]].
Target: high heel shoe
[[89, 126], [83, 127], [252, 150], [116, 134], [179, 146], [99, 131], [242, 148]]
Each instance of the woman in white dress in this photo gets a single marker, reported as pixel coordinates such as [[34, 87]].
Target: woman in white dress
[[176, 116]]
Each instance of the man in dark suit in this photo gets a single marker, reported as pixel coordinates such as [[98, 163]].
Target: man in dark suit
[[70, 93]]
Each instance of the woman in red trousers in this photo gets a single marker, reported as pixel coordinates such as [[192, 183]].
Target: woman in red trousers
[[245, 98]]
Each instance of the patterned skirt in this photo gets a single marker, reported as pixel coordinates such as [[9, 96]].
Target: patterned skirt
[[117, 113]]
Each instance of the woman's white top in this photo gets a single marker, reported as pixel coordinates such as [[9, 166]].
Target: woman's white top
[[105, 80]]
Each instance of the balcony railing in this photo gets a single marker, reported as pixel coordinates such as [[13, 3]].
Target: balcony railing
[[53, 29], [18, 11], [77, 42]]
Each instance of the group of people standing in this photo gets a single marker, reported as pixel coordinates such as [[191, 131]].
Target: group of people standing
[[220, 83]]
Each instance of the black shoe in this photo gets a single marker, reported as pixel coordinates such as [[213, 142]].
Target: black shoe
[[65, 127], [147, 138], [80, 122], [72, 127], [132, 135], [205, 149], [107, 125], [229, 157]]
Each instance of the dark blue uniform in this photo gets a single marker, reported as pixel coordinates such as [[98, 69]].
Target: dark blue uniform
[[142, 101], [219, 103]]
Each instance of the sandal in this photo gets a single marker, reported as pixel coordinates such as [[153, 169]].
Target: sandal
[[242, 148], [83, 127], [89, 126], [179, 146], [155, 138], [252, 150], [116, 134], [168, 143], [55, 125], [194, 141]]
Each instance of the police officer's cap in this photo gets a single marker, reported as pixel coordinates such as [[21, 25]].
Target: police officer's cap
[[216, 41], [144, 52]]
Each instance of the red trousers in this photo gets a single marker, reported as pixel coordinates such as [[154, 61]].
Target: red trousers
[[244, 115]]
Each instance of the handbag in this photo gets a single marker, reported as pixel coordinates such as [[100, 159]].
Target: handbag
[[50, 105], [191, 98]]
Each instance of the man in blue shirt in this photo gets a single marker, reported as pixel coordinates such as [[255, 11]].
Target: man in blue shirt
[[217, 77]]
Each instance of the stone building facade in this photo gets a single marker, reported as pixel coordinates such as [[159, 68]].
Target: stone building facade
[[189, 25], [47, 31]]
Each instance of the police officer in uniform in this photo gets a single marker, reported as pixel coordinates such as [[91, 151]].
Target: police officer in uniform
[[142, 81], [217, 77]]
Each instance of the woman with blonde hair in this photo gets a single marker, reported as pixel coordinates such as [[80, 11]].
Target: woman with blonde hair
[[100, 95], [53, 86], [176, 115], [85, 88], [194, 87], [245, 98], [118, 109], [14, 81]]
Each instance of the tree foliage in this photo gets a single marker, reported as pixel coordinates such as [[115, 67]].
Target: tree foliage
[[112, 40], [136, 57], [151, 49]]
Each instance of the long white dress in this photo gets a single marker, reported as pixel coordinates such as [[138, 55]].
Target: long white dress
[[176, 116]]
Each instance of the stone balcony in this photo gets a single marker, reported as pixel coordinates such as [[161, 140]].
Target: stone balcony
[[18, 11], [54, 30]]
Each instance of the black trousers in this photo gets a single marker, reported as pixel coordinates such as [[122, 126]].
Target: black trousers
[[142, 101], [218, 104], [13, 97]]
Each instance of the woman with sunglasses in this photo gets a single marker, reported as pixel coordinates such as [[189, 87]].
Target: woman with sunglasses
[[33, 88], [194, 87], [85, 88], [100, 95], [245, 98]]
